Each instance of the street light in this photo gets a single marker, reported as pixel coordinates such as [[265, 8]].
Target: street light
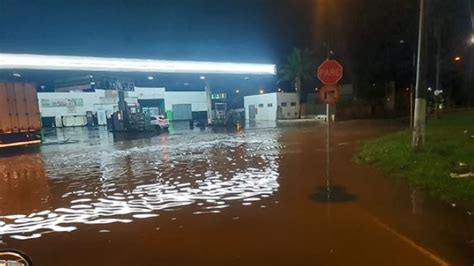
[[457, 58], [261, 91], [471, 40], [237, 91], [150, 78]]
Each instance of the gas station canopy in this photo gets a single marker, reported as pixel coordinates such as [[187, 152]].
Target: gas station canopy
[[82, 63]]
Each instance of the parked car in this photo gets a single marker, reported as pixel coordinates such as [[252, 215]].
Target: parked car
[[160, 122]]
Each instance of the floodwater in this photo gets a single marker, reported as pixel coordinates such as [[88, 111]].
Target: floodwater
[[257, 197]]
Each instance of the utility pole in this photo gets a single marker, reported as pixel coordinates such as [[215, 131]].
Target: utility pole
[[471, 55], [412, 88], [438, 66], [418, 141], [438, 57], [411, 106]]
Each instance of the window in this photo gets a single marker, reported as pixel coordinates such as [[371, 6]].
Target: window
[[293, 103], [260, 105], [270, 105], [283, 104]]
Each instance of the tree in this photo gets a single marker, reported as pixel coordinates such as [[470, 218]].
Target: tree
[[300, 66]]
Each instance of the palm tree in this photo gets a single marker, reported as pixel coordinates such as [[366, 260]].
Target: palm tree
[[299, 67]]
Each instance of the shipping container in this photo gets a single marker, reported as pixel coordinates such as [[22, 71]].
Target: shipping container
[[20, 122]]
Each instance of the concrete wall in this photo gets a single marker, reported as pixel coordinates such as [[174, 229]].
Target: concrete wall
[[148, 93], [292, 108], [67, 103], [266, 105], [58, 104], [197, 99]]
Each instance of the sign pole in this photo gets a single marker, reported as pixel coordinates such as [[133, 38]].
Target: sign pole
[[328, 161], [330, 72]]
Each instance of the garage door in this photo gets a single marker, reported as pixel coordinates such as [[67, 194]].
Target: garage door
[[182, 112]]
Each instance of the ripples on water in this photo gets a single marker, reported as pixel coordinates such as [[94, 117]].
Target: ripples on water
[[127, 181]]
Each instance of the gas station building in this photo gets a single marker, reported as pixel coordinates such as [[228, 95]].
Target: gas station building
[[71, 88]]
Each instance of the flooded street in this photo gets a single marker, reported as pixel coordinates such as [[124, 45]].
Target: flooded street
[[256, 197]]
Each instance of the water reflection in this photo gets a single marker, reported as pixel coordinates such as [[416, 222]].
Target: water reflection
[[25, 176], [332, 194], [120, 183]]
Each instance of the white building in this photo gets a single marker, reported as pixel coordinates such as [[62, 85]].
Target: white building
[[271, 106], [72, 108]]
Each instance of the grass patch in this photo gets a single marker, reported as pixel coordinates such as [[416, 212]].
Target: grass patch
[[449, 148]]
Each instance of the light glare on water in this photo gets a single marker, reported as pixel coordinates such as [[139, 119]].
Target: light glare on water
[[120, 184]]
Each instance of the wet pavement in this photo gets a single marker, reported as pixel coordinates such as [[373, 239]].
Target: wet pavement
[[191, 197]]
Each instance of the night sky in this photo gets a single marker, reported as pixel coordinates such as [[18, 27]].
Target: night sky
[[375, 40], [248, 30]]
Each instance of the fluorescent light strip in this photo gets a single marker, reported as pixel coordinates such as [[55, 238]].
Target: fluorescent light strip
[[58, 62]]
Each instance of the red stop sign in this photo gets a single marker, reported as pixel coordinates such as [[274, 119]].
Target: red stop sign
[[330, 72]]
